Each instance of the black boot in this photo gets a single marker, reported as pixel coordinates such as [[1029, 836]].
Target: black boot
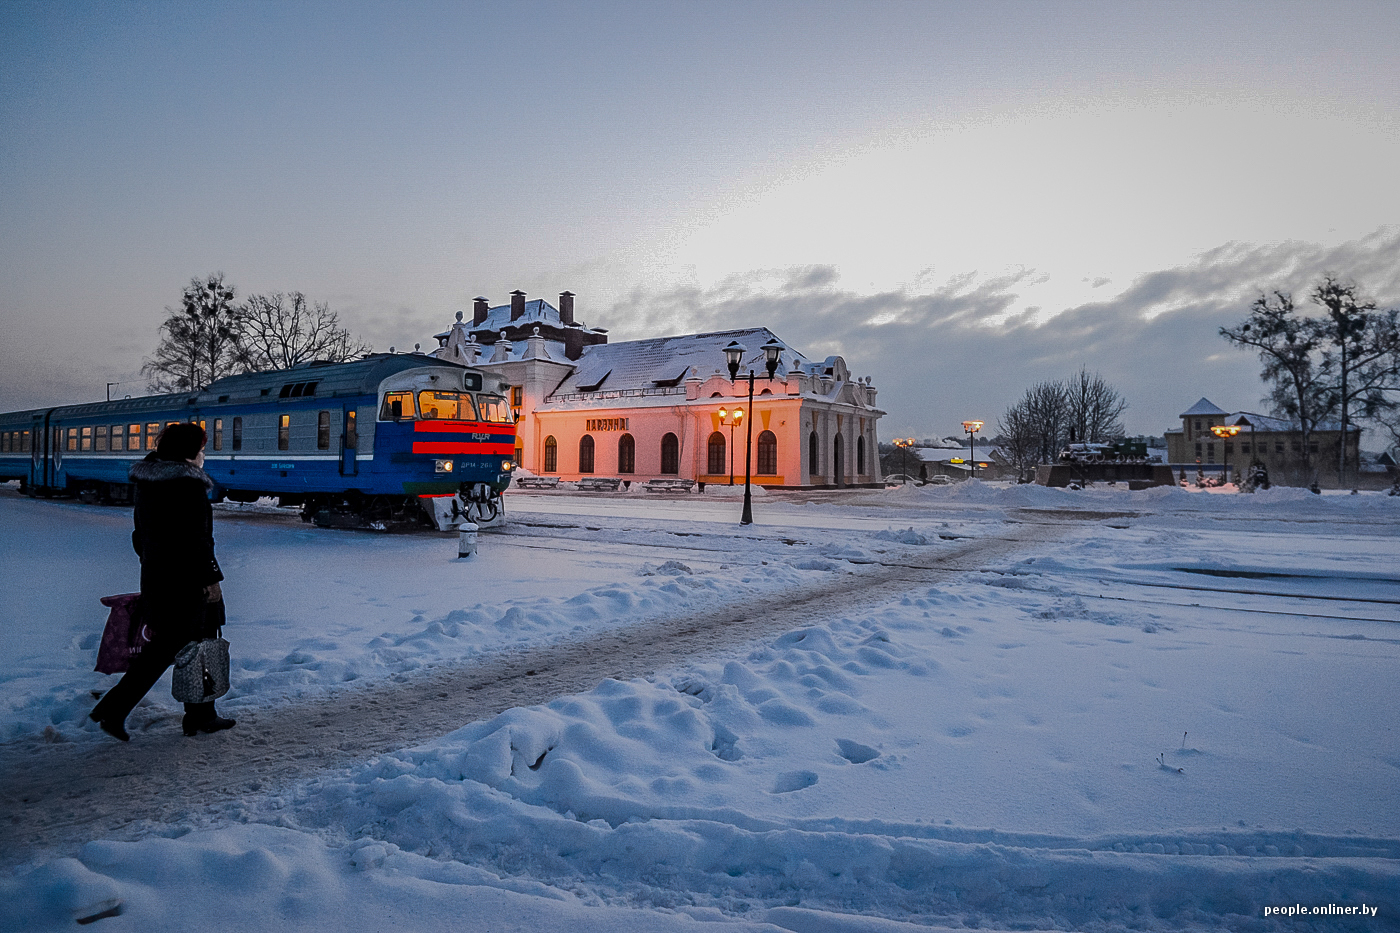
[[202, 717], [116, 730]]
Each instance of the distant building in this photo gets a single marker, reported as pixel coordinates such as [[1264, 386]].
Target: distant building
[[647, 409], [957, 462], [1276, 443]]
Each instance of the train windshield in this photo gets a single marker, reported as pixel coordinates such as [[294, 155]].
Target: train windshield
[[494, 408], [446, 406]]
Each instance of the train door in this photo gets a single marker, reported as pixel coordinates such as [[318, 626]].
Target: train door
[[56, 479], [349, 443], [38, 457]]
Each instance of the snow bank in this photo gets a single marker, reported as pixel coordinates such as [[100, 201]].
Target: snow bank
[[1126, 730]]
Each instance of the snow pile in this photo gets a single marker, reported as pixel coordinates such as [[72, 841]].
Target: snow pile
[[1127, 729]]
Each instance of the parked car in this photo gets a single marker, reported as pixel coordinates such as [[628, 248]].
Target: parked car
[[940, 479], [899, 479]]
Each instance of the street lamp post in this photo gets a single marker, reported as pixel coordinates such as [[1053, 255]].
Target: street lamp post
[[734, 355], [734, 417], [1224, 432], [972, 427], [904, 443]]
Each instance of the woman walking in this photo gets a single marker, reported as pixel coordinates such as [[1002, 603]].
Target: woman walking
[[180, 596]]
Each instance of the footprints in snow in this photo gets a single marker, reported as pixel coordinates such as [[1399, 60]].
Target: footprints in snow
[[854, 752]]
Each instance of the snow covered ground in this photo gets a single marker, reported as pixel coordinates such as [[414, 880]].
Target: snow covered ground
[[1177, 716]]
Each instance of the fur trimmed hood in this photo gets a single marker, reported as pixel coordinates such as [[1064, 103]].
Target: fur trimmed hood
[[151, 470]]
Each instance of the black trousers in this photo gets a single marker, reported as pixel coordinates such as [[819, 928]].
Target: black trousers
[[174, 621]]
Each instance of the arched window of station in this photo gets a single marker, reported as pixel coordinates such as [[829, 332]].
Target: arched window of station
[[838, 460], [626, 454], [716, 465], [813, 454], [768, 454], [585, 454], [551, 455], [670, 455], [860, 455]]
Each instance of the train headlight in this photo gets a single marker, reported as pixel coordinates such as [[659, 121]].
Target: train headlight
[[442, 466], [507, 466]]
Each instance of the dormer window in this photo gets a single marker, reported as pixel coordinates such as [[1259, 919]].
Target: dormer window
[[297, 390]]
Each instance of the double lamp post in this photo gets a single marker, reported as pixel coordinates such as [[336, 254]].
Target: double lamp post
[[734, 356]]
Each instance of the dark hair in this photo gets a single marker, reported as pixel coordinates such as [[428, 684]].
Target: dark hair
[[181, 441]]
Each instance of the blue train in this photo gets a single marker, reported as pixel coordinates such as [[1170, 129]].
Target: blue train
[[362, 444]]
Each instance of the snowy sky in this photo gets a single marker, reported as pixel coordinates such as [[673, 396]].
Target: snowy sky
[[961, 198]]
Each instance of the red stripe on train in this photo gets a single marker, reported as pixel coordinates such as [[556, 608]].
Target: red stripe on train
[[452, 447], [461, 427]]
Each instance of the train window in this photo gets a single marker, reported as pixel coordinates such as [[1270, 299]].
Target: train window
[[218, 434], [493, 408], [284, 432], [352, 431], [72, 438], [118, 437], [152, 434], [398, 406], [237, 433], [323, 431], [99, 437], [472, 381], [297, 389], [454, 406], [24, 442], [5, 441], [87, 439]]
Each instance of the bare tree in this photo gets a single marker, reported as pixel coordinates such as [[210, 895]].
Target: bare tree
[[1357, 344], [1018, 439], [199, 340], [1346, 361], [1036, 426], [278, 331], [1288, 345], [1094, 409]]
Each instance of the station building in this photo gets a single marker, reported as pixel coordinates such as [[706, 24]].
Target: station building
[[1276, 443], [665, 407]]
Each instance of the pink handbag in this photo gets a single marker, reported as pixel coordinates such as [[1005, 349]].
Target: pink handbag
[[124, 636]]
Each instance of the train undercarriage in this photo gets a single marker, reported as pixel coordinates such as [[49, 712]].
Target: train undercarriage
[[475, 502]]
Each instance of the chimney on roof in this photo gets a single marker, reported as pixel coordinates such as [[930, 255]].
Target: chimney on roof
[[517, 305], [480, 308], [573, 343], [566, 308]]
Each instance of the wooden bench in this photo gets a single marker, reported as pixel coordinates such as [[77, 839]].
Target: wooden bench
[[668, 485], [537, 482], [599, 484]]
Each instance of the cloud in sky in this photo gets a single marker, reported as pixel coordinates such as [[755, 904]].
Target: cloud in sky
[[953, 352], [959, 197]]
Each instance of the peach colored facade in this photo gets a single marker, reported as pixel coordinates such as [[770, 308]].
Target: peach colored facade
[[702, 439], [651, 409]]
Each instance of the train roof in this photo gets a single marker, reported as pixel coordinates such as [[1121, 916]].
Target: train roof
[[361, 377]]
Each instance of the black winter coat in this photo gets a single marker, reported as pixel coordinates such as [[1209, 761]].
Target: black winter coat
[[174, 534]]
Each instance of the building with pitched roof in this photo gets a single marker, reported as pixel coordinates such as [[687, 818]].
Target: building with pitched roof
[[665, 407], [1274, 442]]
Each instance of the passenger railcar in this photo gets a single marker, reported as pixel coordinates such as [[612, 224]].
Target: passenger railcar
[[352, 443]]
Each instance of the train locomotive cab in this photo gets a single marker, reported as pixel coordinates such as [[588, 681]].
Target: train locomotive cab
[[446, 432]]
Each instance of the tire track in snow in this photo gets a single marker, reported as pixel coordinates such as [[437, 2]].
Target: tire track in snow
[[58, 796]]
